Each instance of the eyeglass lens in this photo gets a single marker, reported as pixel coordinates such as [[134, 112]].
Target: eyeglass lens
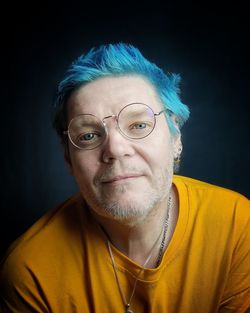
[[135, 121]]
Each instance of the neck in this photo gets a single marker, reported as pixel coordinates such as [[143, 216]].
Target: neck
[[136, 239]]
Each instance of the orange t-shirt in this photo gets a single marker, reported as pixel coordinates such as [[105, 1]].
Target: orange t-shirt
[[62, 264]]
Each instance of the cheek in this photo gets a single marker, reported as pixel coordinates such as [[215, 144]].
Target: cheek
[[84, 167], [158, 147]]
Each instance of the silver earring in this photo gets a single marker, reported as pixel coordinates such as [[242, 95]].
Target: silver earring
[[177, 158]]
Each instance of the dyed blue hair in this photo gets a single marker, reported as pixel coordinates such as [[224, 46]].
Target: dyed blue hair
[[120, 60]]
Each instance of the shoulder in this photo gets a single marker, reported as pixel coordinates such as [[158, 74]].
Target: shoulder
[[32, 267], [216, 205], [200, 188], [48, 236]]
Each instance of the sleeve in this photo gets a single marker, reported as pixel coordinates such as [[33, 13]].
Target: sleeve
[[236, 296], [19, 289]]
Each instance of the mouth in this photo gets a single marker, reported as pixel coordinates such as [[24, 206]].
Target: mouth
[[121, 178]]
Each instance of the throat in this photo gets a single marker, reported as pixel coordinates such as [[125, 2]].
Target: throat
[[148, 238], [146, 249]]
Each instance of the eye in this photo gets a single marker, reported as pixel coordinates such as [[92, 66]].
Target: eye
[[140, 125], [88, 137]]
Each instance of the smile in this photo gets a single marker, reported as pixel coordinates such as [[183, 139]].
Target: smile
[[121, 179]]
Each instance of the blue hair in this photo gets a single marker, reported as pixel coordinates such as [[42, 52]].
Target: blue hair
[[119, 60]]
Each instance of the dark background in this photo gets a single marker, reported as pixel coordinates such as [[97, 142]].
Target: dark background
[[207, 44]]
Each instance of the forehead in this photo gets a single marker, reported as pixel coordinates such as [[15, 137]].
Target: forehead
[[108, 95]]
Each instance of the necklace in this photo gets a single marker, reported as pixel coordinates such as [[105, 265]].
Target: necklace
[[158, 261], [164, 231]]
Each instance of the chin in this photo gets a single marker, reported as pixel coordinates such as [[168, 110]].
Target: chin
[[125, 204], [128, 208]]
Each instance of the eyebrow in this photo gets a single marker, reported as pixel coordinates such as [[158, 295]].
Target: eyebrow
[[138, 113]]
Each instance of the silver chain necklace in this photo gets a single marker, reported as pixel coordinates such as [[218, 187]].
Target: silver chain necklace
[[164, 231], [162, 246]]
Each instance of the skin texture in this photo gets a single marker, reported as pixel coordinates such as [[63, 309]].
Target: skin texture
[[125, 182]]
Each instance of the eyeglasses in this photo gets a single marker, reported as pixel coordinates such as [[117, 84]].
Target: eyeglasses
[[134, 121]]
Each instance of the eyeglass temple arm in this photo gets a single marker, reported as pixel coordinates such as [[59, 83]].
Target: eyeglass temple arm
[[165, 110]]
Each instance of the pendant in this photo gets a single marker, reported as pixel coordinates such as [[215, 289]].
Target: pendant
[[128, 309]]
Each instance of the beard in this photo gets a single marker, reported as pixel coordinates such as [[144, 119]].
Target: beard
[[131, 200]]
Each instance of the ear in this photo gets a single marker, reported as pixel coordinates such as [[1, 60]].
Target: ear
[[67, 159], [177, 145]]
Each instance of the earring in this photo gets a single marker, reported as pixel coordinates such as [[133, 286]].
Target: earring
[[177, 160], [177, 154]]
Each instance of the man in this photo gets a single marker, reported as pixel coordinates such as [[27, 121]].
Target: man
[[136, 238]]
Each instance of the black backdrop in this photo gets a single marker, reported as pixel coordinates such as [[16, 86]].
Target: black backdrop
[[207, 45]]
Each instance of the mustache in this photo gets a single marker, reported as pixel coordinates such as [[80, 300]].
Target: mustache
[[114, 171]]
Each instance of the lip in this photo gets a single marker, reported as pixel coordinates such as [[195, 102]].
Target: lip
[[121, 178]]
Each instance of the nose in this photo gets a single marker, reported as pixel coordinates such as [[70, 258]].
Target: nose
[[116, 146]]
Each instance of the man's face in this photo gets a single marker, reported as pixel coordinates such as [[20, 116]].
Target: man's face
[[122, 178]]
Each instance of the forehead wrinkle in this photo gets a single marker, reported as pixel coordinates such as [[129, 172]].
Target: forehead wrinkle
[[118, 91]]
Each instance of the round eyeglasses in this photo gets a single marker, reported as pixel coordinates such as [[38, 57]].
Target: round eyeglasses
[[134, 121]]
